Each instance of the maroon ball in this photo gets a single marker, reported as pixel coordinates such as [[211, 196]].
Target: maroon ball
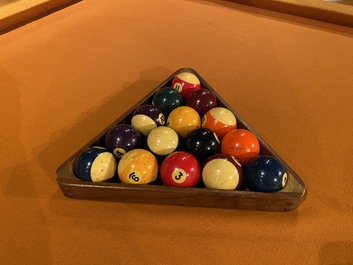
[[201, 100], [122, 138], [222, 171]]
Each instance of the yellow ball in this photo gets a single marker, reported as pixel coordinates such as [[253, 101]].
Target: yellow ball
[[138, 166], [184, 120]]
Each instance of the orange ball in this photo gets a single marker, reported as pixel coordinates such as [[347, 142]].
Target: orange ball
[[184, 120], [219, 120], [242, 144]]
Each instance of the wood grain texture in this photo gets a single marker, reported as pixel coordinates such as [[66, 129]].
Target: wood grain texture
[[338, 12], [19, 12]]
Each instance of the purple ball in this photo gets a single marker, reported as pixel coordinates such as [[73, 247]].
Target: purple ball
[[122, 138], [147, 117]]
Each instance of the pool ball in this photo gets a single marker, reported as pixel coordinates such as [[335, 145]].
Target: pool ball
[[222, 171], [185, 83], [147, 117], [167, 99], [95, 164], [122, 138], [201, 100], [202, 143], [138, 166], [162, 140], [219, 120], [180, 169], [264, 174], [184, 120], [242, 144]]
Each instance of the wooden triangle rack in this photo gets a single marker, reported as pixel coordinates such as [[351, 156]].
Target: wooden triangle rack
[[287, 199]]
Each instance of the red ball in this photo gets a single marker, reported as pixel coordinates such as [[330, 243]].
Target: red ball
[[186, 83], [180, 169], [242, 144]]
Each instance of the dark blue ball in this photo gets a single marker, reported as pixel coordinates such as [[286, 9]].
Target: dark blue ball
[[264, 174], [95, 164]]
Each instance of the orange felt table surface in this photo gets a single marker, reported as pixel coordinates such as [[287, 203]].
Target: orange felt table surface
[[65, 77]]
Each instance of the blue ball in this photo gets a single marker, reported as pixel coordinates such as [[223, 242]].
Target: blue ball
[[96, 164], [264, 174]]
